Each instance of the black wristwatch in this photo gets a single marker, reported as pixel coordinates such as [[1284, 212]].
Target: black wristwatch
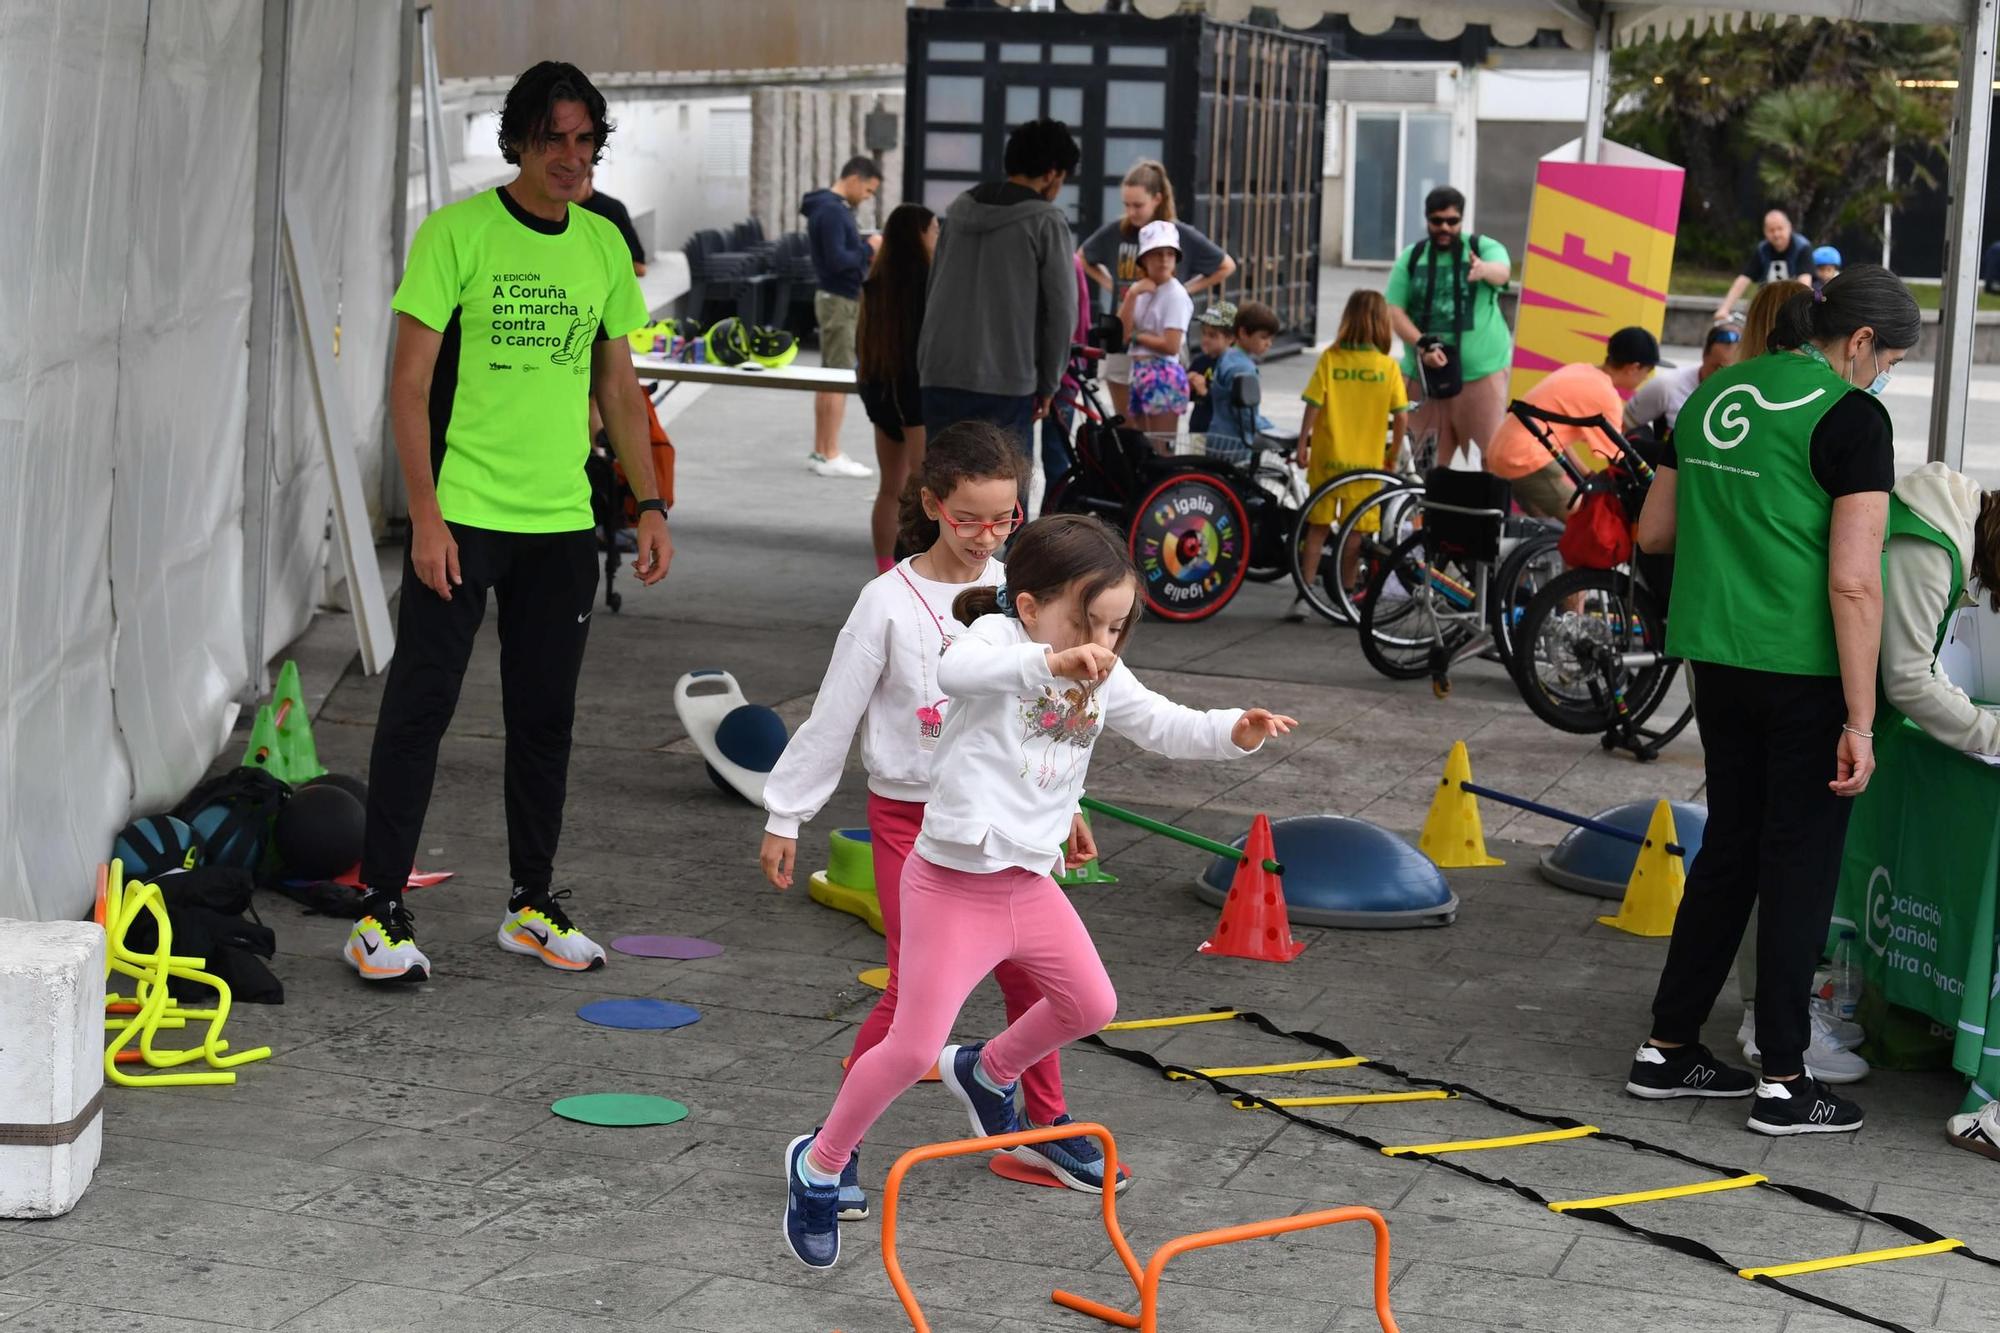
[[653, 506]]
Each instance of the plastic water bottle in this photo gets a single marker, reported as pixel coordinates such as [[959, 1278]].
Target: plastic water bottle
[[1846, 979]]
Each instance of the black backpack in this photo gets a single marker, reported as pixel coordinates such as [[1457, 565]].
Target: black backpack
[[232, 814], [205, 907]]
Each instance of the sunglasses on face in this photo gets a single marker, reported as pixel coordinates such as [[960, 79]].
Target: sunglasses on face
[[1726, 336], [1440, 220]]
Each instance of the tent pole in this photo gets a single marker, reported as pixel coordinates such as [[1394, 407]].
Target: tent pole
[[1971, 141], [260, 433], [394, 504], [1600, 85]]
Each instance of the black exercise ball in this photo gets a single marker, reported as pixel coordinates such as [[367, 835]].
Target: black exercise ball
[[319, 832], [347, 782]]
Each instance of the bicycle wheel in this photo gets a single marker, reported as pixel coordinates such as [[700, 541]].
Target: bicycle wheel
[[1531, 564], [1571, 649], [1418, 606], [1190, 539], [1327, 593]]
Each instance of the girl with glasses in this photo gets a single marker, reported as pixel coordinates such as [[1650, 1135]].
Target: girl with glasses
[[1036, 679], [957, 512]]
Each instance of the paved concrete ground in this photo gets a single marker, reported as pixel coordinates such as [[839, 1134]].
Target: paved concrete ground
[[395, 1166]]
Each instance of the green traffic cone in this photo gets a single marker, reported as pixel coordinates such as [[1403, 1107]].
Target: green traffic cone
[[1090, 872], [295, 727], [266, 749]]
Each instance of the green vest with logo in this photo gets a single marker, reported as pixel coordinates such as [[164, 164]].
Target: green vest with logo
[[1906, 522], [1752, 523]]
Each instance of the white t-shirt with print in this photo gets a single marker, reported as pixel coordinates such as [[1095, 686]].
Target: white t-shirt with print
[[1017, 744], [1163, 308]]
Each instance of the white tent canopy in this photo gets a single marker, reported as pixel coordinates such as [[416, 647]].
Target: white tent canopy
[[1515, 22], [1597, 25]]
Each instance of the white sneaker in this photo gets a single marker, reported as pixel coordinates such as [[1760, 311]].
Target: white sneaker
[[1746, 1033], [1846, 1034], [1826, 1059], [383, 945], [1978, 1131], [541, 929], [840, 465]]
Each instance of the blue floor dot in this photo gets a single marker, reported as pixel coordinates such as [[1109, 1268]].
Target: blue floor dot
[[638, 1014]]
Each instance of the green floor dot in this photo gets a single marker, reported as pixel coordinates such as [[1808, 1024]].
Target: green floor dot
[[620, 1108]]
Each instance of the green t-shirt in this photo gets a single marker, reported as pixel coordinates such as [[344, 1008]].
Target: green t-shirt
[[521, 302], [1486, 346]]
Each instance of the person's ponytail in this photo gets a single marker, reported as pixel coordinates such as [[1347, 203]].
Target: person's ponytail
[[1794, 326], [973, 603]]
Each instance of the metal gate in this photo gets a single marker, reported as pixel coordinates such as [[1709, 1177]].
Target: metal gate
[[1235, 113]]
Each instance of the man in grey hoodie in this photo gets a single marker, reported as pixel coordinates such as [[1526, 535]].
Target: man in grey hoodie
[[1002, 303]]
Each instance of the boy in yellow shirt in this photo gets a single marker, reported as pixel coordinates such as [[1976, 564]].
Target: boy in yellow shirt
[[1355, 390]]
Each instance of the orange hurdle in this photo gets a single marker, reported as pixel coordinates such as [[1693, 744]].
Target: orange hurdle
[[1146, 1281]]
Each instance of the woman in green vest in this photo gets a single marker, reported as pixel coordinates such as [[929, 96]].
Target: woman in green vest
[[1773, 496], [1944, 532]]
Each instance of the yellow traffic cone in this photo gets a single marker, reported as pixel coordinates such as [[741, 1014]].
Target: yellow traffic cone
[[1453, 836], [1653, 894]]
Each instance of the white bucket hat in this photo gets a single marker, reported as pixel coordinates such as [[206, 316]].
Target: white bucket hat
[[1159, 236]]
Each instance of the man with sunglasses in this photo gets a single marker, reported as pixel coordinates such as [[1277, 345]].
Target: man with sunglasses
[[1444, 302], [1658, 401]]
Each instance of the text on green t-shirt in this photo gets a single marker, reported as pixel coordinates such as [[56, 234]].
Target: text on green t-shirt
[[522, 303]]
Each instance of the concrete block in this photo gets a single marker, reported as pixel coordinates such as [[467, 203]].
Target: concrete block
[[51, 1063]]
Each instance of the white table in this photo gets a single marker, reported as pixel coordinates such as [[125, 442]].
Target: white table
[[808, 379]]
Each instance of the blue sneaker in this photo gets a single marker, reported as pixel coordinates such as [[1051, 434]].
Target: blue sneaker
[[1077, 1162], [853, 1199], [811, 1229], [992, 1112]]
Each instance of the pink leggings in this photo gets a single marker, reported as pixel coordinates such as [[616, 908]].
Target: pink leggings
[[893, 826], [960, 927]]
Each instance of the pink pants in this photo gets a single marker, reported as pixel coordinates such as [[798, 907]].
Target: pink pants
[[893, 826], [959, 927]]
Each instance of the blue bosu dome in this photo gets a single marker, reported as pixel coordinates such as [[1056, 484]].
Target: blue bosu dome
[[1591, 863], [1346, 873]]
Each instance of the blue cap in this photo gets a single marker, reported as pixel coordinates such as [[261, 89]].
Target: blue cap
[[1826, 254]]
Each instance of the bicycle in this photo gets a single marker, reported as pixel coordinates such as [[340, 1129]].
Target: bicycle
[[1329, 593], [1451, 588], [1592, 643]]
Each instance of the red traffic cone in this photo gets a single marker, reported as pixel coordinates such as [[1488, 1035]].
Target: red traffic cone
[[1254, 924]]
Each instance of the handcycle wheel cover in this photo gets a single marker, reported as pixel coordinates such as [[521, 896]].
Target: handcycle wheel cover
[[1190, 540]]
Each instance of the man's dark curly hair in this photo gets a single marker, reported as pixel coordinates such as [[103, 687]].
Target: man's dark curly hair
[[531, 104]]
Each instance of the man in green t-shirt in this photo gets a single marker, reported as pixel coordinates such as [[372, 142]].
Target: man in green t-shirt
[[511, 317], [1444, 292]]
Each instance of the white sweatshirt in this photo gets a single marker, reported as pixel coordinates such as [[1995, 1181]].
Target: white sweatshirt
[[1916, 580], [1011, 765], [885, 670]]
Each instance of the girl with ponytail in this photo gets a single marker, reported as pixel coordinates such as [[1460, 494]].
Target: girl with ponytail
[[1034, 680], [957, 512]]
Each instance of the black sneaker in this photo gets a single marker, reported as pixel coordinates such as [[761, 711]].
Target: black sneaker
[[1685, 1071], [1802, 1106]]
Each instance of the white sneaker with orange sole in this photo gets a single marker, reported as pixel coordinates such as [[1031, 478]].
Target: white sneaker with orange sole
[[541, 929]]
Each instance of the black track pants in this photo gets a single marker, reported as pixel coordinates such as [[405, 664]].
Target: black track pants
[[546, 584]]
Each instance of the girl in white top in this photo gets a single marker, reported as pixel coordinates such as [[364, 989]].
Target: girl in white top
[[1033, 682], [883, 680], [1156, 312]]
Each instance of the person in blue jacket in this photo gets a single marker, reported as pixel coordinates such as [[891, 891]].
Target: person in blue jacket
[[840, 256]]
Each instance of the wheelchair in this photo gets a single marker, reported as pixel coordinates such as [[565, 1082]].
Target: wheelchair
[[1196, 526]]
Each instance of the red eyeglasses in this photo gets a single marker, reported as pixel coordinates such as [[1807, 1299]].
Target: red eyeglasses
[[969, 528]]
